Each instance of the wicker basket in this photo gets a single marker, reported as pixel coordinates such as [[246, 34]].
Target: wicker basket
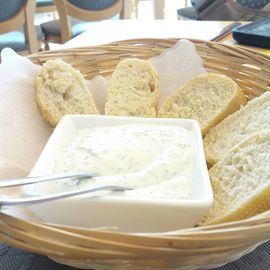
[[193, 248]]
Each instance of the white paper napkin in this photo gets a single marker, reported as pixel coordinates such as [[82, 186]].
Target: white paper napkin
[[98, 89], [175, 66], [23, 132]]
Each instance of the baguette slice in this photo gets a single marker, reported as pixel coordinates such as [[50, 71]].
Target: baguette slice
[[249, 119], [207, 98], [241, 181], [133, 89], [60, 90]]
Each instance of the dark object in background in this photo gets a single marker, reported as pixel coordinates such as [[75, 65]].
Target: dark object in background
[[225, 10], [256, 33], [200, 5]]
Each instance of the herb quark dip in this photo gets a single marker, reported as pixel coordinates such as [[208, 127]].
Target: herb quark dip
[[154, 160]]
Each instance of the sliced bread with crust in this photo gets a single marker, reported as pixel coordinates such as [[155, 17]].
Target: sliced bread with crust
[[60, 90], [253, 117], [241, 181], [207, 98], [133, 89]]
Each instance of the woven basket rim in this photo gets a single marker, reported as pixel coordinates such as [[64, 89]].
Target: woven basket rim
[[239, 235]]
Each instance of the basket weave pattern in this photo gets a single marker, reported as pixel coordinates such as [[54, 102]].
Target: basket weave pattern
[[192, 248]]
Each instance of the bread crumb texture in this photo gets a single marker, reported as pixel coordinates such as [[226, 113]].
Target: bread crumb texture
[[60, 90], [248, 120], [207, 98], [241, 181], [133, 89]]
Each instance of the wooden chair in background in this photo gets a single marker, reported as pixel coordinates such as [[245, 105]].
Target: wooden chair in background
[[62, 30], [16, 15]]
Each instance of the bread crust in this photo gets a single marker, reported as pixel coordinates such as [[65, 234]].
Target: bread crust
[[240, 181], [133, 89], [201, 98], [248, 120], [60, 90]]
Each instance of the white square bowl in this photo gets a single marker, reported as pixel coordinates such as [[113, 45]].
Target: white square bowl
[[123, 213]]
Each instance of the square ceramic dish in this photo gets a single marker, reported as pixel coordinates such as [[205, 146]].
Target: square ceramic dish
[[123, 212]]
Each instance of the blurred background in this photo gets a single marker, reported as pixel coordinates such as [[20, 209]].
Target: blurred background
[[29, 26]]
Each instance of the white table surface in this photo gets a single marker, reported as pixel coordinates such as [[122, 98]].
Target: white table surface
[[114, 30]]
